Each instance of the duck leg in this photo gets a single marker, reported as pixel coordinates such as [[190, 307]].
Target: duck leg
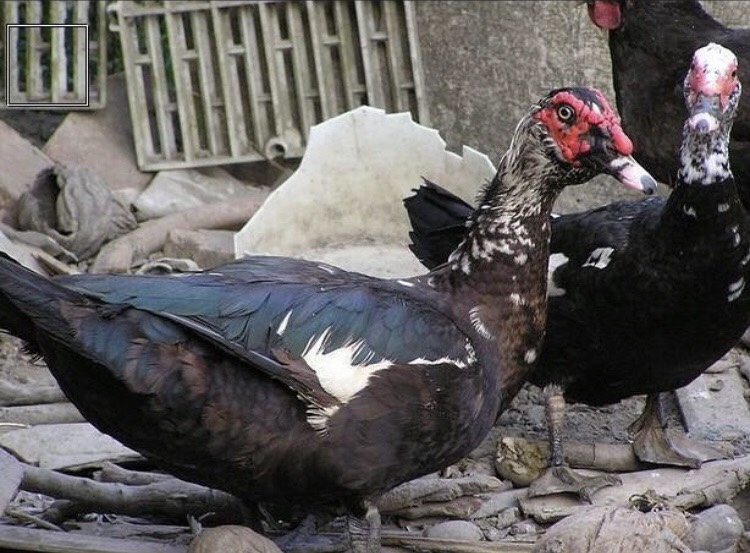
[[304, 539], [654, 442], [364, 532], [559, 477]]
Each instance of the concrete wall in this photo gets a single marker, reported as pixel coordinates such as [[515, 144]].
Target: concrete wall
[[486, 62]]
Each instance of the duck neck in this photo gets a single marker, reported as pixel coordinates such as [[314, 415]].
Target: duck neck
[[704, 158], [497, 276]]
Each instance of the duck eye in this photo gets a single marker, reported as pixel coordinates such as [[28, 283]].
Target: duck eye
[[565, 113]]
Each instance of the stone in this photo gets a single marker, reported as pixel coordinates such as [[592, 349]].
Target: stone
[[718, 529], [237, 539], [455, 530], [11, 474], [60, 446], [101, 140], [21, 162], [714, 411], [621, 529], [180, 189], [207, 248], [344, 206]]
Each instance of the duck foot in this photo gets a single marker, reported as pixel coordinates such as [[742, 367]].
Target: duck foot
[[562, 479], [304, 539], [654, 442], [364, 533]]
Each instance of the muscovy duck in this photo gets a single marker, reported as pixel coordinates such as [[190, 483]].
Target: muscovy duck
[[643, 295], [651, 43], [284, 380]]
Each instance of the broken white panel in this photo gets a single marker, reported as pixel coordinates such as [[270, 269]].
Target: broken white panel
[[344, 204]]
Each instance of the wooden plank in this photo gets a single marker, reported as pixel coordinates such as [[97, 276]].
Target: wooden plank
[[35, 89], [270, 37], [81, 77], [230, 86], [11, 474], [207, 82], [261, 127], [300, 70], [416, 63], [162, 104], [10, 15], [99, 82], [394, 46], [45, 541], [183, 87], [321, 59], [58, 55], [347, 51], [373, 82]]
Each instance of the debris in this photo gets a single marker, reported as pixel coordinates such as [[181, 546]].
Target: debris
[[120, 254], [11, 474], [49, 413], [455, 530], [17, 394], [18, 252], [64, 445], [714, 412], [338, 200], [237, 539], [207, 248], [101, 140], [21, 162], [413, 543], [174, 191], [169, 497], [75, 207], [621, 529], [431, 489], [714, 482], [16, 538], [717, 530]]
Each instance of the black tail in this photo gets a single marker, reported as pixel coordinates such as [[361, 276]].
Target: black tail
[[29, 300], [438, 220]]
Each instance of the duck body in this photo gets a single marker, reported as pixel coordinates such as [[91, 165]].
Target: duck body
[[289, 381], [650, 294], [643, 295]]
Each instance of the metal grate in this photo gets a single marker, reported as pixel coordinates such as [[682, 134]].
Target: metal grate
[[213, 82], [54, 53]]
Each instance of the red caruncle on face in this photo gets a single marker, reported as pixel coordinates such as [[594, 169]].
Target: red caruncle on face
[[572, 135]]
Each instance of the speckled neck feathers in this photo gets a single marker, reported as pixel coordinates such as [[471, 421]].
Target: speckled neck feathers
[[704, 158]]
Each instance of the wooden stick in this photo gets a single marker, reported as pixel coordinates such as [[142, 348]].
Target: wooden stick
[[17, 538], [48, 413], [173, 497], [13, 394], [416, 543], [118, 255], [110, 472]]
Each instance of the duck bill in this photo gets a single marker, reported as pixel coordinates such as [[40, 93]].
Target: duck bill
[[630, 173], [705, 112]]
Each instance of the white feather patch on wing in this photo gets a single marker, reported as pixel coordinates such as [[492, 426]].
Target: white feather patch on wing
[[599, 258], [556, 260]]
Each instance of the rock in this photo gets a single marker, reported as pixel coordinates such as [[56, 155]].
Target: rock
[[173, 191], [508, 517], [498, 502], [21, 162], [455, 530], [344, 206], [621, 529], [59, 446], [714, 411], [716, 530], [237, 539], [101, 140], [11, 474], [207, 248], [23, 254], [519, 461]]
